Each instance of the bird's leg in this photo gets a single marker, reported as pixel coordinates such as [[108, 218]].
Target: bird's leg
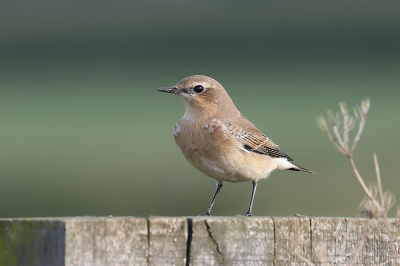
[[219, 186], [253, 193]]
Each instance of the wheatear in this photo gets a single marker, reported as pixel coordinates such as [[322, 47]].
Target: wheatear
[[219, 141]]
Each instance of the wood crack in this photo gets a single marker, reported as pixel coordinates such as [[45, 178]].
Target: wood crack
[[273, 226], [311, 239], [213, 239], [189, 240], [148, 241]]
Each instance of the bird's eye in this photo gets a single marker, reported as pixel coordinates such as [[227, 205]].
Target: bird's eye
[[198, 89]]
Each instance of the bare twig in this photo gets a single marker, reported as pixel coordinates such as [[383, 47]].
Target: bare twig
[[360, 113], [378, 178], [343, 143], [378, 203], [324, 127], [387, 202], [335, 123], [367, 191], [346, 124]]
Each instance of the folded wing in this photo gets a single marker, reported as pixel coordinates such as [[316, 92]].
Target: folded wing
[[254, 140]]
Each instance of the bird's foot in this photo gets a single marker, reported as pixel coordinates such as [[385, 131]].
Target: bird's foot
[[248, 214], [207, 213]]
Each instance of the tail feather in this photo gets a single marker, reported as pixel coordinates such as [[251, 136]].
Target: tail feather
[[299, 168]]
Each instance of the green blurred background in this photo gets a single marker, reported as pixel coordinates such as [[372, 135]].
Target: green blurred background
[[85, 132]]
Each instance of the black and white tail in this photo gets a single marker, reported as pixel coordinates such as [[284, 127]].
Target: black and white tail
[[299, 168]]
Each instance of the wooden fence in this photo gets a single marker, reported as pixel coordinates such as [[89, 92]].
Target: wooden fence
[[202, 241]]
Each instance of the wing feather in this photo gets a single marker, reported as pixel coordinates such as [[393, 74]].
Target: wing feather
[[254, 141]]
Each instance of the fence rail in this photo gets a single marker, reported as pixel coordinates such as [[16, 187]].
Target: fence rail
[[202, 241]]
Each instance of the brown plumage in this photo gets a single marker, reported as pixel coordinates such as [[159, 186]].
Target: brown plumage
[[254, 141], [219, 141]]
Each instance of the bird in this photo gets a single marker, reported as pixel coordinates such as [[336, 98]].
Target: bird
[[219, 141]]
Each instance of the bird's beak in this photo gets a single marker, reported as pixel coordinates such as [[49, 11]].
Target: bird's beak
[[170, 90]]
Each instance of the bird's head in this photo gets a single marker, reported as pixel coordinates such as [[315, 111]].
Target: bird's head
[[201, 94]]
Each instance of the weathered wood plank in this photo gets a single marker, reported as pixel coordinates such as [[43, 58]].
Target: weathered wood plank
[[168, 240], [8, 246], [354, 241], [292, 237], [126, 242], [106, 241], [91, 241], [369, 241], [329, 241], [36, 242], [232, 241]]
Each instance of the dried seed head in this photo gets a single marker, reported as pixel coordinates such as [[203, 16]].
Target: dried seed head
[[343, 109], [322, 123], [333, 119], [365, 105]]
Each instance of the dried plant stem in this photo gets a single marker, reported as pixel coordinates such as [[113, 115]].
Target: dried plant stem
[[374, 208], [346, 124], [357, 138], [367, 191], [378, 178], [385, 218], [334, 141], [337, 135]]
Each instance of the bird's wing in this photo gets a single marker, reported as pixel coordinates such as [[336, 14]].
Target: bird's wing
[[253, 140]]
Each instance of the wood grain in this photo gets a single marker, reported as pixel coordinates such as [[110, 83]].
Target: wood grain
[[95, 241]]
